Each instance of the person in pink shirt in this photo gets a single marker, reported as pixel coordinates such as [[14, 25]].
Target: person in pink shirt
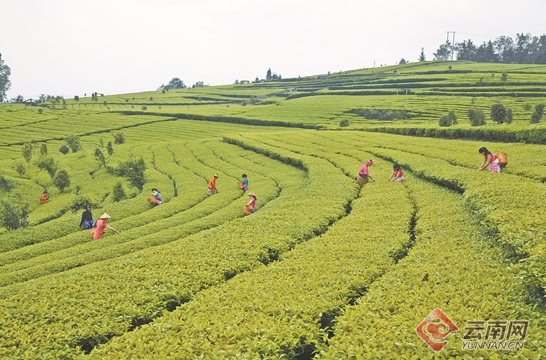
[[489, 160], [364, 173]]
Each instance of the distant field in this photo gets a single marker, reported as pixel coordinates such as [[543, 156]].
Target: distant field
[[324, 268]]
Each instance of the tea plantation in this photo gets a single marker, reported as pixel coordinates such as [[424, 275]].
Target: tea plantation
[[325, 268]]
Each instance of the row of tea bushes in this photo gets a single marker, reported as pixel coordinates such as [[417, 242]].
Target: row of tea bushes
[[184, 222], [454, 265], [285, 309], [523, 159], [65, 314], [60, 233], [509, 205]]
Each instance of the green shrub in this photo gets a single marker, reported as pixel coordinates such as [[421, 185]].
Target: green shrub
[[61, 180], [476, 116], [539, 108], [27, 151], [134, 171], [21, 169], [381, 114], [498, 113], [509, 116], [344, 123], [444, 121], [452, 117], [535, 118], [14, 213], [43, 149], [109, 148], [73, 142], [64, 149], [118, 193], [504, 77], [6, 184], [48, 164], [100, 156], [119, 138]]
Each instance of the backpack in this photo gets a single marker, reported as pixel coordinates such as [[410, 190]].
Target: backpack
[[88, 224]]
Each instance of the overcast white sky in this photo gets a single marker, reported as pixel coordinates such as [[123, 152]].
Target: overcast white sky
[[72, 47]]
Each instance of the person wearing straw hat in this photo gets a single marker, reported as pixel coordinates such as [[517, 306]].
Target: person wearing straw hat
[[251, 206], [211, 186], [100, 225]]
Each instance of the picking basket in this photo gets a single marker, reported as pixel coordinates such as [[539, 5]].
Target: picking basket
[[361, 180], [503, 159]]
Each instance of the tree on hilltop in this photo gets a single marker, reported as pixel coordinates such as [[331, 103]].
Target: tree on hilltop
[[466, 50], [5, 83], [273, 76], [175, 83], [524, 49], [444, 51], [422, 55]]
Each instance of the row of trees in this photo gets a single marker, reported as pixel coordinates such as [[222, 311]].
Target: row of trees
[[524, 49], [499, 113]]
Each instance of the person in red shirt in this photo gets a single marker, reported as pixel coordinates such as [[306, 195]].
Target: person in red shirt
[[397, 174], [211, 186], [101, 225]]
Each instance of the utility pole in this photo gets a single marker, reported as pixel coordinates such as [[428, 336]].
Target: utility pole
[[453, 42]]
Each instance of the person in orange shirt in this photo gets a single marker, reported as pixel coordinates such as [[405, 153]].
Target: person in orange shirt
[[44, 198], [211, 187]]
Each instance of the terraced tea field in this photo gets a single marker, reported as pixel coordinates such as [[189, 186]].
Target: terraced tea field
[[323, 269]]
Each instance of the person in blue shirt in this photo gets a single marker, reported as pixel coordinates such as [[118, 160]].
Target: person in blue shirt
[[157, 195], [244, 184]]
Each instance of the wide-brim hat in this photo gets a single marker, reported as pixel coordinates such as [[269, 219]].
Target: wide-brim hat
[[105, 216], [215, 175], [251, 194]]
